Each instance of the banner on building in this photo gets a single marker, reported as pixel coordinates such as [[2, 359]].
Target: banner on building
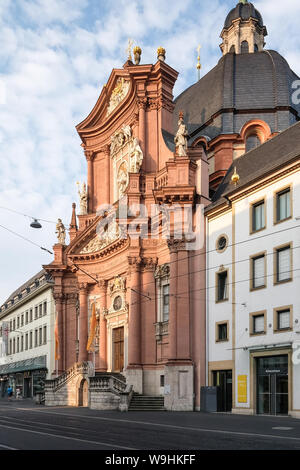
[[242, 388], [57, 356], [93, 326]]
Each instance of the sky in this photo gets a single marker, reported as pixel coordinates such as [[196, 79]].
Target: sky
[[55, 57]]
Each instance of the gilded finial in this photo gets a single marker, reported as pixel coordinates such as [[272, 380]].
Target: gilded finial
[[235, 177], [198, 62], [161, 54], [137, 52]]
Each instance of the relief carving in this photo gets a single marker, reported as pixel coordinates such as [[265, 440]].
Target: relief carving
[[102, 240], [118, 94]]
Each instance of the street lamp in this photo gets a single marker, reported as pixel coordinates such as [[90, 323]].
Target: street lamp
[[35, 224]]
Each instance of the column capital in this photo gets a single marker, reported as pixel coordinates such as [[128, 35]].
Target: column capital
[[176, 244], [142, 103], [58, 296], [102, 285], [83, 286], [89, 154], [71, 297], [134, 262], [149, 264]]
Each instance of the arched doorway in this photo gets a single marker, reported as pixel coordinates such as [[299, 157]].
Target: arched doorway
[[83, 395]]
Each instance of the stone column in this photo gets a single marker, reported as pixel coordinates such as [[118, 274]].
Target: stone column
[[103, 330], [71, 318], [107, 185], [90, 182], [83, 322], [173, 300], [59, 298], [134, 330], [179, 371], [142, 102], [134, 371], [148, 311]]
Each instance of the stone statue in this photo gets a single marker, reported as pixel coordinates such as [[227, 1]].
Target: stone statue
[[136, 156], [122, 179], [181, 137], [61, 232], [83, 199]]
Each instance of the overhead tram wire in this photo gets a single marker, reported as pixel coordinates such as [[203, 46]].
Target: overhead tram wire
[[194, 272], [177, 295], [26, 239], [28, 216]]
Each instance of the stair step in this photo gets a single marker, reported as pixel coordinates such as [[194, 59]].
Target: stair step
[[146, 403]]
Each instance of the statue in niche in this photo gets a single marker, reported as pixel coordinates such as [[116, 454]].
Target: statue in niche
[[61, 232], [136, 156], [181, 137], [122, 179], [83, 198]]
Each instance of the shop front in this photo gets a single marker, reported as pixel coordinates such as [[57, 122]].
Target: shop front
[[28, 376], [272, 385]]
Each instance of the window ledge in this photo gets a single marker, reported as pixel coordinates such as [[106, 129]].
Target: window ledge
[[276, 222]]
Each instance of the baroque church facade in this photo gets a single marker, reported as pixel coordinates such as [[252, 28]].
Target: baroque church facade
[[152, 162]]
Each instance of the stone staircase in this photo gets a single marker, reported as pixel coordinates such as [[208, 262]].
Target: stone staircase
[[146, 403]]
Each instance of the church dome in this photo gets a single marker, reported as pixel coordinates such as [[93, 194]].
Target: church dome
[[245, 11], [240, 88]]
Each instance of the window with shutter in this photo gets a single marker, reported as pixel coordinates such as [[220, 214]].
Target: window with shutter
[[283, 205], [259, 324], [283, 268], [283, 319], [258, 216], [166, 302], [258, 266]]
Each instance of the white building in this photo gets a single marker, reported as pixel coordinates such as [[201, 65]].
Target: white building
[[253, 281], [27, 336]]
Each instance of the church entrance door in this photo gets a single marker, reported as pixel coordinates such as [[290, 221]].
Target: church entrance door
[[118, 349], [83, 399]]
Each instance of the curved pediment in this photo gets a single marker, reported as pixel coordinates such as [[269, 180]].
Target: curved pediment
[[113, 95]]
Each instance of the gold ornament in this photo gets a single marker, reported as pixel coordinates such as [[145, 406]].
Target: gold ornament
[[137, 52], [235, 177], [161, 54]]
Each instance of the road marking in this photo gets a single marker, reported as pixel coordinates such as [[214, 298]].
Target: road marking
[[171, 426], [69, 438], [7, 447], [15, 420], [283, 428]]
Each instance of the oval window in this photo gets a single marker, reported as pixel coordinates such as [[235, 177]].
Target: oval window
[[222, 243], [117, 303]]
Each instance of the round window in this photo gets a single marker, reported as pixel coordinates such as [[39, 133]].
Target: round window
[[222, 243], [117, 303]]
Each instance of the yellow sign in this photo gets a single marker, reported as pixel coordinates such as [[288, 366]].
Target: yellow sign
[[242, 388]]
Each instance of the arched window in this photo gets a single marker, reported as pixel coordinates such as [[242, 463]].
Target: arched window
[[244, 47], [232, 49], [252, 141]]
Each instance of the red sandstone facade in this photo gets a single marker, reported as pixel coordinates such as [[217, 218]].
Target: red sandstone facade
[[125, 276]]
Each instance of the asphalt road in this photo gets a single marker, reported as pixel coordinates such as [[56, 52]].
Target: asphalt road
[[26, 426]]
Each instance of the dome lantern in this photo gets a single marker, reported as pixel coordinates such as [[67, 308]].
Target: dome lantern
[[243, 30]]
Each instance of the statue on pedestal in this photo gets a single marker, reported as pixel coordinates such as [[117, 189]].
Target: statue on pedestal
[[181, 137], [61, 232], [83, 198]]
